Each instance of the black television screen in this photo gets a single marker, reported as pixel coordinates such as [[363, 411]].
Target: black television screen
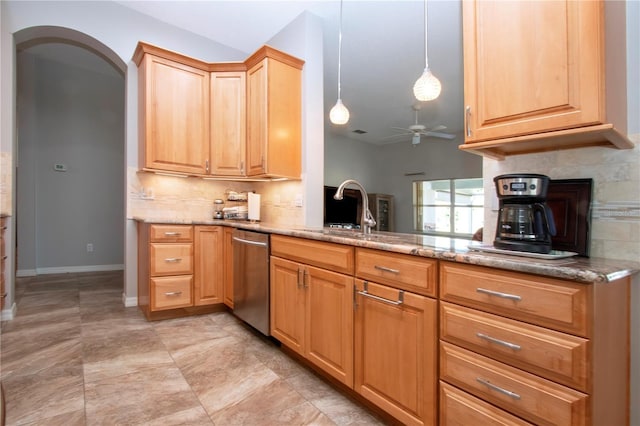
[[341, 211]]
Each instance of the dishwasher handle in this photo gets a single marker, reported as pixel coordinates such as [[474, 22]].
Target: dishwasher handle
[[255, 243]]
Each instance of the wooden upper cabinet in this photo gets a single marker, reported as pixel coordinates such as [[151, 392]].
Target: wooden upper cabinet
[[535, 77], [274, 102], [173, 113], [228, 123]]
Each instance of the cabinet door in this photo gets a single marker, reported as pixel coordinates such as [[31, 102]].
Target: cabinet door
[[228, 122], [395, 352], [174, 116], [228, 267], [532, 67], [256, 118], [209, 265], [274, 123], [288, 303], [329, 322]]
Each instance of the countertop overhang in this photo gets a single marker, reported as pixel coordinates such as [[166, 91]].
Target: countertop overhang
[[577, 268]]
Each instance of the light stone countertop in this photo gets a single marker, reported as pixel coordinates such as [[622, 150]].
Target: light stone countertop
[[577, 268]]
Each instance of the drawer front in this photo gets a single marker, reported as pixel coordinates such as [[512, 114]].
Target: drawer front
[[335, 257], [171, 259], [170, 233], [552, 303], [531, 397], [398, 270], [171, 292], [458, 408], [556, 356]]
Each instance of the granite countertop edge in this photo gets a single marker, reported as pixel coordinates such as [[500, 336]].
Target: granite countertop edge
[[577, 268]]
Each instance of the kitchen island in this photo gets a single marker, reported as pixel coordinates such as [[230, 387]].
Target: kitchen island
[[433, 332]]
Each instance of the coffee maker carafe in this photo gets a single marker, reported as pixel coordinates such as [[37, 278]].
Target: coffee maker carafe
[[525, 222]]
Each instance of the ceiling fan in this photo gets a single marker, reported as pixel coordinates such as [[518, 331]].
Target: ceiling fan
[[417, 130]]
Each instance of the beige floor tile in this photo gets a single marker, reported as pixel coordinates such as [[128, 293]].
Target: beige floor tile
[[51, 393]]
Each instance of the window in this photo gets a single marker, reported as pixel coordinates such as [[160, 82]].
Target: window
[[451, 207]]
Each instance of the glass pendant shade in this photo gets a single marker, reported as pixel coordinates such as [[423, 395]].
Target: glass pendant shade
[[427, 87], [339, 114]]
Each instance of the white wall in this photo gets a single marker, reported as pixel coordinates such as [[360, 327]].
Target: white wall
[[72, 116]]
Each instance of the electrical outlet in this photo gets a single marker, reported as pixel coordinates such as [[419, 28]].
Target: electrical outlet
[[89, 247], [298, 200]]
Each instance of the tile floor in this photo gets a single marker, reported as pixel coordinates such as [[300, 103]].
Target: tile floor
[[75, 356]]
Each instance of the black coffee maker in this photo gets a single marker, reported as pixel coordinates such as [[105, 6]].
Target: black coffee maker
[[525, 222]]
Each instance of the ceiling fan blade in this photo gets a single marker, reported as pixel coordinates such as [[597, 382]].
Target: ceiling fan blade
[[401, 128], [436, 128], [397, 135], [439, 135]]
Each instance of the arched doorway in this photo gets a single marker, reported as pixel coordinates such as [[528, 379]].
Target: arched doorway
[[70, 200]]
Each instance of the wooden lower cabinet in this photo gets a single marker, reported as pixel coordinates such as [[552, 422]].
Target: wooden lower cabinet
[[549, 351], [228, 266], [396, 352], [311, 313], [180, 269], [458, 408]]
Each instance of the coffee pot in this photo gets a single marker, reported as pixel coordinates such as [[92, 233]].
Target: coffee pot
[[525, 221]]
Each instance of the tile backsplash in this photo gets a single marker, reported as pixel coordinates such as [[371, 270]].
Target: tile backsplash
[[160, 197], [615, 223]]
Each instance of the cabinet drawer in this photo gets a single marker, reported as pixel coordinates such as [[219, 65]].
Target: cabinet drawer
[[170, 233], [556, 356], [458, 408], [398, 270], [171, 259], [547, 302], [171, 292], [335, 257], [533, 398]]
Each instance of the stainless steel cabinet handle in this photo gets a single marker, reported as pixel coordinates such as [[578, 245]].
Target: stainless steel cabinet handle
[[499, 342], [384, 268], [497, 388], [206, 165], [467, 120], [305, 279], [299, 283], [4, 295], [173, 293], [499, 294], [172, 234], [5, 257], [365, 293], [254, 243], [173, 259]]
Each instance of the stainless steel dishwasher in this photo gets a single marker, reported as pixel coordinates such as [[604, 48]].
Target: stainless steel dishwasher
[[251, 278]]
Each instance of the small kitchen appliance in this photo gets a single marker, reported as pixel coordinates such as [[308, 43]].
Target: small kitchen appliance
[[525, 222], [218, 205]]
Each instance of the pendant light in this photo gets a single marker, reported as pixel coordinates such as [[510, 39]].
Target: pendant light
[[339, 114], [427, 87]]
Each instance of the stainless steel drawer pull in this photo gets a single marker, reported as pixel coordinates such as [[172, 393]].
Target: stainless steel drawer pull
[[384, 268], [4, 295], [467, 120], [172, 234], [499, 294], [5, 257], [365, 293], [173, 259], [499, 342], [173, 293], [498, 388]]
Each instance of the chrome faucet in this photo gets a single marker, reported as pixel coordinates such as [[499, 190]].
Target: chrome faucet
[[367, 221]]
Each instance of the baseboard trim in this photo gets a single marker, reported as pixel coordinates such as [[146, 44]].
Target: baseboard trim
[[68, 269], [129, 302], [10, 313]]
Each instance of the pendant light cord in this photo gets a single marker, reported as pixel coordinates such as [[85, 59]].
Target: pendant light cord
[[340, 51], [426, 56]]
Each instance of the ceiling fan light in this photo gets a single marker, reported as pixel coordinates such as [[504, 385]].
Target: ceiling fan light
[[415, 140], [427, 87], [339, 114]]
